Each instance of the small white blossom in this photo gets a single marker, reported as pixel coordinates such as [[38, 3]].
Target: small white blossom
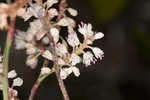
[[86, 30], [88, 58], [72, 11], [45, 40], [21, 12], [97, 52], [32, 61], [31, 50], [74, 59], [3, 21], [63, 74], [68, 70], [99, 35], [73, 39], [76, 71], [66, 21], [61, 62], [55, 34], [51, 2], [17, 82], [12, 74], [53, 12], [48, 55], [13, 92], [61, 49], [45, 70]]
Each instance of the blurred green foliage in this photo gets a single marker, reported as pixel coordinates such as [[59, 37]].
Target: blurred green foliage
[[105, 10]]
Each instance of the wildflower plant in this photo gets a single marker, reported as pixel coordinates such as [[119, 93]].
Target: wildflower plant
[[43, 38]]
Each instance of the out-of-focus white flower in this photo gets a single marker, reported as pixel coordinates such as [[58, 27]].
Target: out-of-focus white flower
[[53, 12], [3, 21], [97, 52], [45, 70], [55, 34], [48, 55], [31, 50], [88, 58], [76, 71], [63, 74], [86, 30], [35, 10], [68, 70], [20, 44], [61, 62], [66, 21], [51, 2], [45, 40], [32, 61], [74, 59], [17, 82], [98, 35], [13, 92], [72, 11], [73, 39], [61, 49], [1, 57], [3, 16], [12, 74]]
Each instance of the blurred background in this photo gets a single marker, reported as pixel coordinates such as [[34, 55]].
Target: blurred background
[[124, 72]]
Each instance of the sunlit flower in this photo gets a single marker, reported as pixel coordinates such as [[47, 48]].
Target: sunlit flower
[[76, 71], [98, 35], [61, 49], [32, 61], [51, 2], [52, 12], [97, 52], [55, 34]]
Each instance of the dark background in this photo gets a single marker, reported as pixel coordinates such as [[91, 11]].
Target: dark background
[[124, 72]]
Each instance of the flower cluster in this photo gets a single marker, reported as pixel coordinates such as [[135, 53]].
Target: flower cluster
[[46, 28]]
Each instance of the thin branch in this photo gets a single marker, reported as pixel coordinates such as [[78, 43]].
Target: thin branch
[[5, 59]]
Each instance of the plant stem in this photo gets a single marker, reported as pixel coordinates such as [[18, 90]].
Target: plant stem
[[6, 59], [37, 84]]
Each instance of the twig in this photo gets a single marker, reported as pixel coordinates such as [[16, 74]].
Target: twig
[[5, 58]]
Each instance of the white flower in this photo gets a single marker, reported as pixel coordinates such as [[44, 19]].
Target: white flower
[[72, 11], [73, 39], [31, 50], [48, 55], [88, 58], [74, 59], [61, 49], [45, 70], [66, 21], [45, 40], [55, 34], [98, 35], [35, 11], [97, 52], [86, 30], [13, 92], [12, 74], [63, 74], [68, 70], [3, 15], [53, 12], [76, 71], [51, 2], [3, 21], [32, 61], [61, 62], [17, 82], [20, 44]]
